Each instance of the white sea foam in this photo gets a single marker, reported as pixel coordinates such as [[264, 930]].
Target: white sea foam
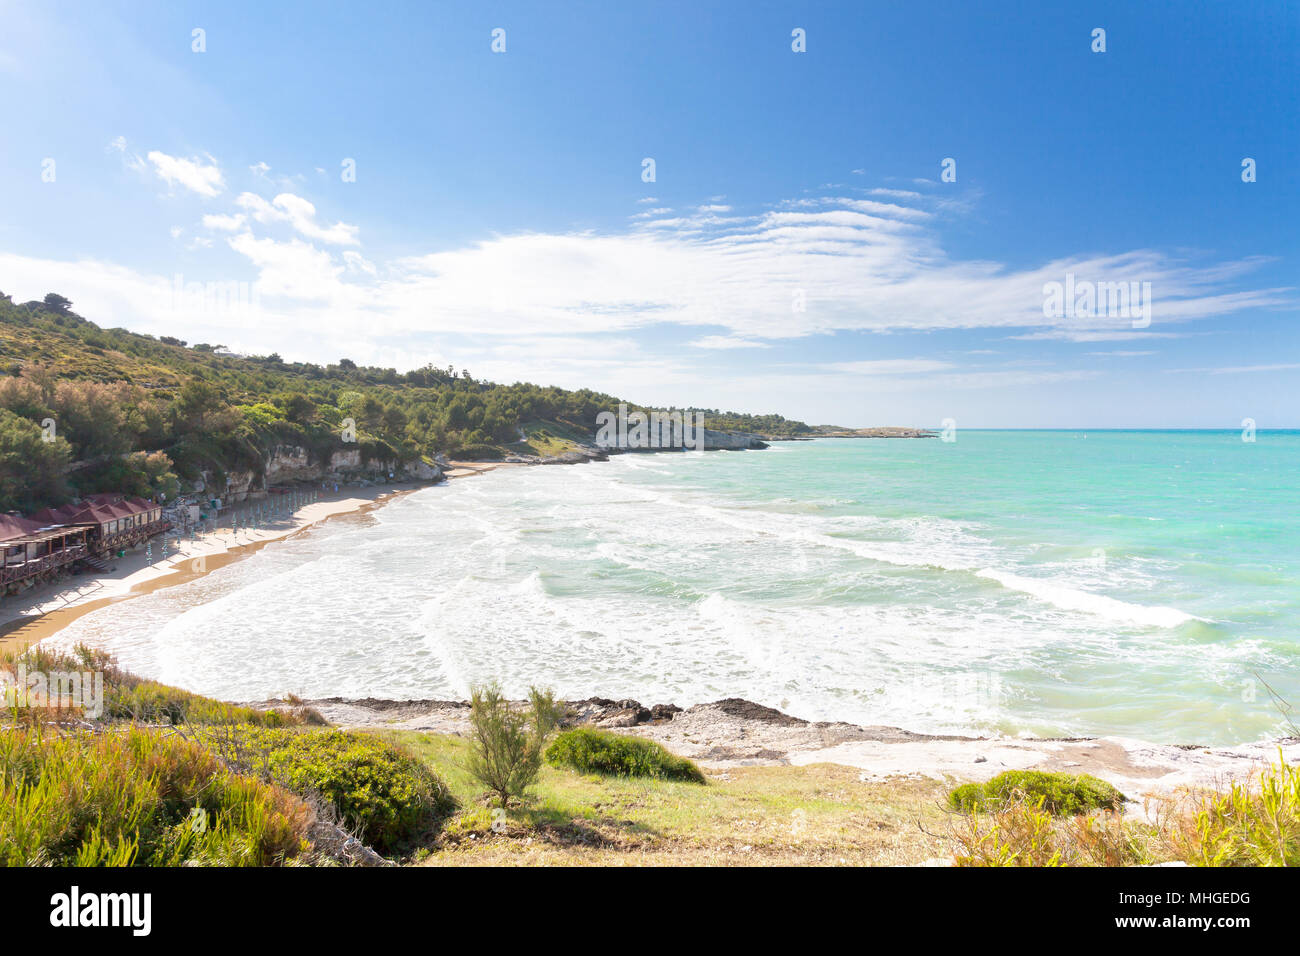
[[1072, 599], [615, 580]]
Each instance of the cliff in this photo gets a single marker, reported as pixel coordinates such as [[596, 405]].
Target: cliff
[[292, 464]]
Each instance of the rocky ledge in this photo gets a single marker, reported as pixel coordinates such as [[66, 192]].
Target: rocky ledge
[[734, 732]]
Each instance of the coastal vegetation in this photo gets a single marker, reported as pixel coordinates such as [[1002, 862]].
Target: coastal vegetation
[[508, 740], [162, 777], [1057, 793], [85, 409], [169, 778], [138, 797], [589, 750], [1248, 823], [821, 815], [375, 789]]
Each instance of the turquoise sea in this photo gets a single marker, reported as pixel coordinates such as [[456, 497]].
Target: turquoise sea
[[1135, 583]]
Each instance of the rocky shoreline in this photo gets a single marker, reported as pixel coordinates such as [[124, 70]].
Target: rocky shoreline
[[734, 732]]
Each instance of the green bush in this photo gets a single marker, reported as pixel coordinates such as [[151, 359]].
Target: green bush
[[1062, 794], [475, 451], [144, 798], [381, 792], [508, 741], [600, 751]]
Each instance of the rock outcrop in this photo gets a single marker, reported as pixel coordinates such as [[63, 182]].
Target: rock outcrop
[[292, 464], [731, 441]]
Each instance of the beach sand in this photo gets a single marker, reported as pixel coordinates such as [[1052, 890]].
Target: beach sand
[[718, 735], [41, 612]]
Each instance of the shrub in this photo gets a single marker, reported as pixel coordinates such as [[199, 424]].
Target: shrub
[[600, 751], [1246, 826], [387, 796], [1061, 794], [508, 741], [128, 697], [1254, 823], [475, 452], [150, 702], [142, 797]]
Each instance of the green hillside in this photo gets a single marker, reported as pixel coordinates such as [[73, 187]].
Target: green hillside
[[145, 415]]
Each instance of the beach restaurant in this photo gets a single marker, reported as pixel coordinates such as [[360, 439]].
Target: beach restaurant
[[32, 547], [113, 521], [56, 537]]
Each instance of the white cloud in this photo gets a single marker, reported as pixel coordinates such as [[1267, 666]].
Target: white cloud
[[1078, 335], [295, 270], [856, 265], [300, 214], [356, 262], [193, 174], [727, 342], [895, 193]]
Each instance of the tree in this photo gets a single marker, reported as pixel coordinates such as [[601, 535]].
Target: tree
[[31, 466], [90, 416], [372, 413], [57, 303], [394, 420], [197, 401], [508, 741], [299, 408]]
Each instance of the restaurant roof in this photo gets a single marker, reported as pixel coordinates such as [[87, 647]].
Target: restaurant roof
[[94, 509], [15, 530]]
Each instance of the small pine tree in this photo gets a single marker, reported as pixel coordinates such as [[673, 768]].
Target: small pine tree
[[508, 741]]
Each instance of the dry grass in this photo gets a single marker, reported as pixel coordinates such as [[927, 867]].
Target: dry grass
[[751, 816]]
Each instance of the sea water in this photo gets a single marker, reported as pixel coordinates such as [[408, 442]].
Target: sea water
[[1140, 583]]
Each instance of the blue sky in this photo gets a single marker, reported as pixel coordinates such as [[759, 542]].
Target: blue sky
[[499, 219]]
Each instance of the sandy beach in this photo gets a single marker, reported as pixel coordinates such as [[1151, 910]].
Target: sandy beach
[[719, 735], [41, 612]]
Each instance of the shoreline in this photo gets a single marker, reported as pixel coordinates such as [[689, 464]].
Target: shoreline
[[721, 734], [734, 733], [28, 619]]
